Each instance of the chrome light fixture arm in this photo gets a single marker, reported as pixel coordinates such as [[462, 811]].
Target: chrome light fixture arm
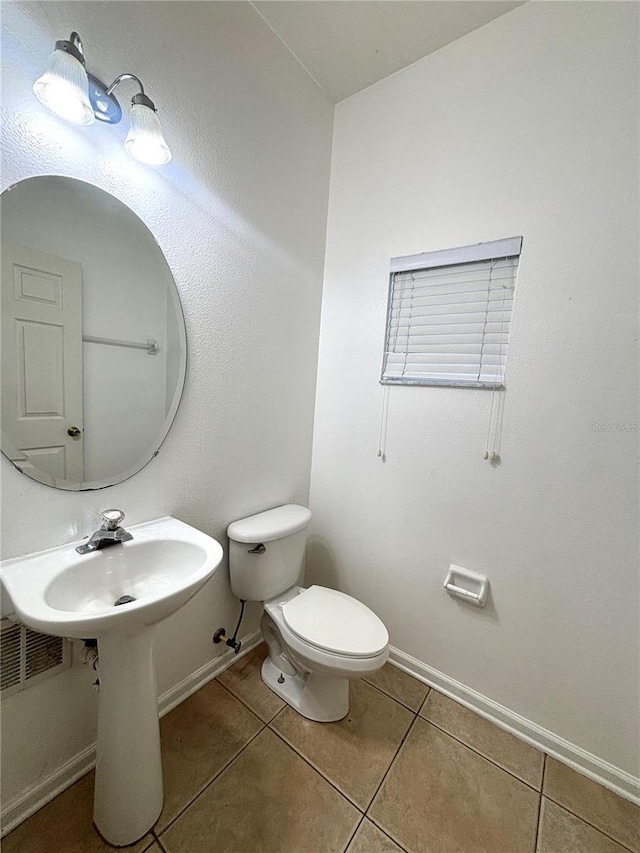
[[125, 76], [140, 98]]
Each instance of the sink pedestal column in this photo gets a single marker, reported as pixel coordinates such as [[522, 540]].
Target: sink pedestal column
[[128, 792]]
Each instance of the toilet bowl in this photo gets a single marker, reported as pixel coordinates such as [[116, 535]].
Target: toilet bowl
[[310, 667], [318, 638]]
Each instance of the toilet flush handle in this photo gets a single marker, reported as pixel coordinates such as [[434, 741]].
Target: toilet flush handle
[[259, 549]]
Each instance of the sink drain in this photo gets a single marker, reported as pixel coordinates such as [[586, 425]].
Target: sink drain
[[124, 599]]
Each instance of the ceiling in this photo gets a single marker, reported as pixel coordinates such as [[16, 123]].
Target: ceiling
[[346, 45]]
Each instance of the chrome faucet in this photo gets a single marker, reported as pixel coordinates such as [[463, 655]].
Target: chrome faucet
[[110, 533]]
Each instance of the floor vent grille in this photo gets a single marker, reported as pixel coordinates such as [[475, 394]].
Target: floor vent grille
[[27, 657]]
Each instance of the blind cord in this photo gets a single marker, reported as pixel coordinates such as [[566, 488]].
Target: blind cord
[[384, 417], [486, 319], [492, 447], [406, 348], [490, 455]]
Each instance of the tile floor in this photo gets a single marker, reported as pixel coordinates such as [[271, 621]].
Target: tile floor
[[407, 770]]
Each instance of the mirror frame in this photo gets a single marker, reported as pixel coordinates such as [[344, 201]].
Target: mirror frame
[[163, 431]]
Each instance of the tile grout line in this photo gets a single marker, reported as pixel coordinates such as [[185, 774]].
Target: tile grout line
[[335, 787], [399, 701], [248, 707], [386, 835], [160, 845], [213, 779], [375, 794], [539, 820], [313, 767], [482, 755], [395, 755], [588, 823], [282, 710], [446, 732], [544, 770], [353, 834], [544, 794], [321, 772]]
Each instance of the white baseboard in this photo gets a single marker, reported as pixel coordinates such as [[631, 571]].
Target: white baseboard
[[36, 796], [584, 762]]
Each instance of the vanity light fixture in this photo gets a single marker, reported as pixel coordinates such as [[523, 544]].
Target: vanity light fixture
[[64, 86], [67, 89]]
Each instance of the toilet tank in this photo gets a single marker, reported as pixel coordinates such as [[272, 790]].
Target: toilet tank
[[260, 573]]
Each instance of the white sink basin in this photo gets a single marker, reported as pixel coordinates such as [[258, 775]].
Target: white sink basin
[[66, 594], [63, 593]]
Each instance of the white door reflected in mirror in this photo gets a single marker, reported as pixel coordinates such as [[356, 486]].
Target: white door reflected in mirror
[[94, 344], [42, 362]]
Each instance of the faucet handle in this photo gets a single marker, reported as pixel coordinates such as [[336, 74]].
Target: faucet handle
[[112, 518]]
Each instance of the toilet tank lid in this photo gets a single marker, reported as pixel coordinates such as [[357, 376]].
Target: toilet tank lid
[[270, 525]]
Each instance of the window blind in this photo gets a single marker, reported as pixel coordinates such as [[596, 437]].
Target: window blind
[[449, 316]]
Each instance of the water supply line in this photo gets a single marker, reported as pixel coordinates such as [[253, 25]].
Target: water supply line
[[233, 642]]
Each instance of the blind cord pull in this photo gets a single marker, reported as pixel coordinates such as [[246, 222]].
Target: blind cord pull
[[490, 455]]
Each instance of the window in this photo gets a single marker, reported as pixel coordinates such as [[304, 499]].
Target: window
[[449, 316]]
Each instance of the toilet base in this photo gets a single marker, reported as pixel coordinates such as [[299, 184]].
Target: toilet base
[[322, 698]]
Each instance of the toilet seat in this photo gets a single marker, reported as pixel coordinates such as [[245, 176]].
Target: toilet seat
[[335, 622]]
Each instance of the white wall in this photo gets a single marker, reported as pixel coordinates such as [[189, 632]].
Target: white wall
[[240, 214], [527, 126]]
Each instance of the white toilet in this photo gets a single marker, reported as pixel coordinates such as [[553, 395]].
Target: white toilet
[[318, 638]]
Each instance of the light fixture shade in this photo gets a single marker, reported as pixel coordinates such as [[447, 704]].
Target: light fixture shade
[[145, 141], [63, 88]]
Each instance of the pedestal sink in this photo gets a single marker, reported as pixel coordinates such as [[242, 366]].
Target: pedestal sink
[[61, 593]]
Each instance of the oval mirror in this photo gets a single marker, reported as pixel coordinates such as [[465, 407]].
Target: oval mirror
[[93, 337]]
